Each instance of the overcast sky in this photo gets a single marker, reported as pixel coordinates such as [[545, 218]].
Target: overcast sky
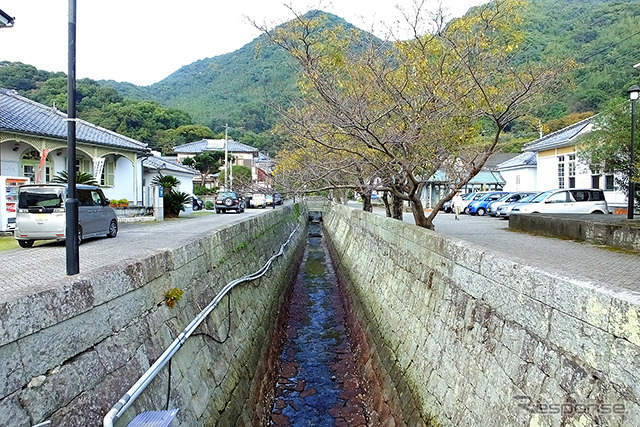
[[143, 41]]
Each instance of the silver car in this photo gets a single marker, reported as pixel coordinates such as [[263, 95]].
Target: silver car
[[41, 213], [571, 200]]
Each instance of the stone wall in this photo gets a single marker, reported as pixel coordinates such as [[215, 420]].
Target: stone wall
[[68, 353], [467, 337], [611, 230]]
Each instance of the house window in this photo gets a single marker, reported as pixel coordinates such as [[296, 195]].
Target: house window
[[572, 171], [609, 183], [84, 165], [108, 176], [595, 181], [29, 164], [560, 171]]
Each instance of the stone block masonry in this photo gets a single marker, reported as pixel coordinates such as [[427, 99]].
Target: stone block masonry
[[68, 352], [471, 338]]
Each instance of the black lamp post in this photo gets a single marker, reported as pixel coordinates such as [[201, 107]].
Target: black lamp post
[[71, 204], [634, 92], [6, 20]]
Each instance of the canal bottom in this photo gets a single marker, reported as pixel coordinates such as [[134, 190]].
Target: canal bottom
[[318, 383]]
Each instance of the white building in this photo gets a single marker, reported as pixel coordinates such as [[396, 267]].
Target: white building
[[520, 172], [558, 165], [33, 144]]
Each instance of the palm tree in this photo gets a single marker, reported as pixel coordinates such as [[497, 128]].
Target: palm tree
[[81, 178], [173, 200]]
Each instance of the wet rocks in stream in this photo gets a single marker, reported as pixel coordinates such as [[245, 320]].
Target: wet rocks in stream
[[318, 383]]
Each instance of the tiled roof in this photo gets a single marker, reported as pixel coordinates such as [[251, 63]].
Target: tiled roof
[[560, 137], [496, 158], [213, 145], [528, 158], [168, 163], [23, 115]]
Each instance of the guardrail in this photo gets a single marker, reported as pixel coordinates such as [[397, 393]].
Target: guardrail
[[130, 396]]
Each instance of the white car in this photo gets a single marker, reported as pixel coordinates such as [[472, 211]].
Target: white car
[[258, 201], [571, 200]]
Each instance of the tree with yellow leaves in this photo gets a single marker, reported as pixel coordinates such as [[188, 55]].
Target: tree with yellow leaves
[[402, 111]]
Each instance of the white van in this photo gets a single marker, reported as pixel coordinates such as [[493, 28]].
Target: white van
[[571, 200], [40, 214]]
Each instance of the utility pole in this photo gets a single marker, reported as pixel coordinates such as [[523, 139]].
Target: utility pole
[[226, 158]]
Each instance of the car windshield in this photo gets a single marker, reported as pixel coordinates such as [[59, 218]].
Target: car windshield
[[527, 199], [505, 197], [540, 197], [44, 197], [468, 196], [227, 195]]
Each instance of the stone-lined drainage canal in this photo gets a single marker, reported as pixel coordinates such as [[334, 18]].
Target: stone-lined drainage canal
[[318, 383]]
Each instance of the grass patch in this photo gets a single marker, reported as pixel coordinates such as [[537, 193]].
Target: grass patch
[[7, 242]]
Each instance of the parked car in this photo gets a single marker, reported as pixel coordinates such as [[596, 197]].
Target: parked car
[[504, 211], [269, 199], [41, 213], [277, 198], [572, 200], [492, 208], [258, 201], [229, 201], [479, 206]]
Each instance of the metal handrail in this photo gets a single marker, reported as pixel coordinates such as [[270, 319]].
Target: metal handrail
[[130, 396]]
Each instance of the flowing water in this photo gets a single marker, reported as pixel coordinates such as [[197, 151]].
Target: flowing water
[[318, 383]]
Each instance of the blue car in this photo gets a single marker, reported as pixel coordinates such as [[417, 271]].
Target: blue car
[[479, 207]]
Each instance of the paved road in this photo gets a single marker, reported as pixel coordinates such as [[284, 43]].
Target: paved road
[[615, 269], [25, 270]]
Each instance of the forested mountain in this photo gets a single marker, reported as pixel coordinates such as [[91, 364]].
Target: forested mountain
[[235, 88], [240, 87], [602, 35]]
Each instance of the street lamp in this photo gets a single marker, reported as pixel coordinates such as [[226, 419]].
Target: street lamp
[[634, 92], [5, 20], [71, 204]]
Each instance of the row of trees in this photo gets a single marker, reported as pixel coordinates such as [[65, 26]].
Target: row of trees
[[381, 115]]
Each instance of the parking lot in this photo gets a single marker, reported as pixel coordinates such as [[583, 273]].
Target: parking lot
[[601, 266]]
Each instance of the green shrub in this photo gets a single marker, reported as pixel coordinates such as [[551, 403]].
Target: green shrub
[[200, 190], [208, 205]]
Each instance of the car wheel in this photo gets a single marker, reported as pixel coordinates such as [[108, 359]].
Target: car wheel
[[466, 210], [598, 212], [228, 201], [217, 211], [113, 229], [480, 212], [25, 243]]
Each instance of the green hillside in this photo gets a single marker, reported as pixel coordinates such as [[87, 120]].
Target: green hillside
[[234, 88], [237, 88], [240, 88]]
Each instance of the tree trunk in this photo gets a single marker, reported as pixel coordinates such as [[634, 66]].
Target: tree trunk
[[418, 214], [387, 205], [366, 201], [396, 207]]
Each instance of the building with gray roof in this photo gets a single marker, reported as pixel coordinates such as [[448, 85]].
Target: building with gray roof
[[33, 144]]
